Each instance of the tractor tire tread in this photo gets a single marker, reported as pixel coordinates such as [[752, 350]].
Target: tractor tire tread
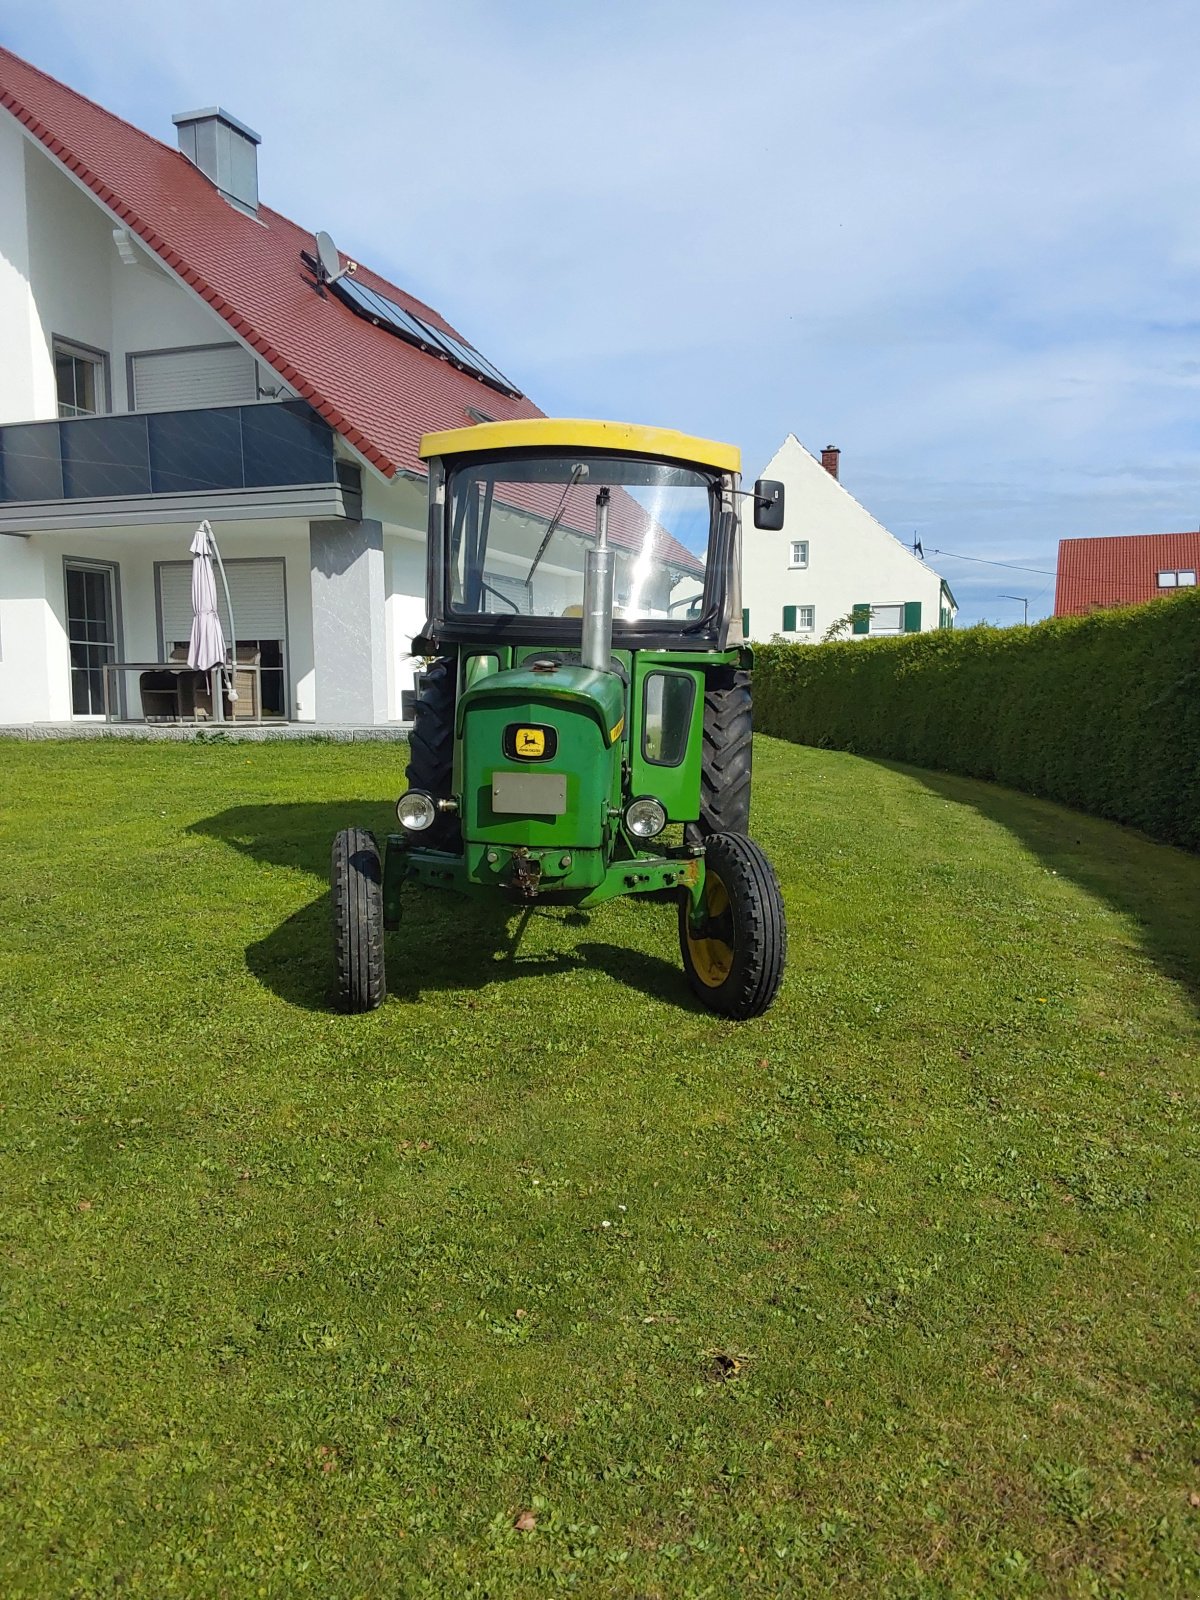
[[431, 749], [356, 882], [760, 929], [725, 768]]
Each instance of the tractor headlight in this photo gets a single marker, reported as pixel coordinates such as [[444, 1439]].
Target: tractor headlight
[[645, 817], [415, 810]]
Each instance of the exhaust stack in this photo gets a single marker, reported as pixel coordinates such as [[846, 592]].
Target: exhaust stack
[[596, 647]]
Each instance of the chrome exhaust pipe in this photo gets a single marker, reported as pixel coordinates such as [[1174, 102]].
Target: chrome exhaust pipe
[[598, 572]]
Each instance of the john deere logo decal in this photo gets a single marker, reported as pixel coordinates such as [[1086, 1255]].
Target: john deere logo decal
[[525, 741]]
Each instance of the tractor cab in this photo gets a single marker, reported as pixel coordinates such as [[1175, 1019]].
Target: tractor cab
[[584, 726]]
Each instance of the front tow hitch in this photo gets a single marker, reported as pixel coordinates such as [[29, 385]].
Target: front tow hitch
[[526, 874]]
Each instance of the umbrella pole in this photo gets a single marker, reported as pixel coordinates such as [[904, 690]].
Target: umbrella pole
[[219, 701]]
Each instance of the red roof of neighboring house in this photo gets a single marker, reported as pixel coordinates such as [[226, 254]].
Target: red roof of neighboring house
[[1119, 571], [378, 392]]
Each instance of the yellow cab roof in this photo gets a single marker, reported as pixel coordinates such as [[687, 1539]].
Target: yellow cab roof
[[574, 433]]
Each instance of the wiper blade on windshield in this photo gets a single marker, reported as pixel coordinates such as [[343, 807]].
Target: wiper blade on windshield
[[578, 472]]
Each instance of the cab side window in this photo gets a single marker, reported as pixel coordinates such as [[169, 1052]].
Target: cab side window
[[667, 703]]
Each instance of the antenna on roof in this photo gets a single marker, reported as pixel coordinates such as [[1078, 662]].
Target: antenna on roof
[[329, 263]]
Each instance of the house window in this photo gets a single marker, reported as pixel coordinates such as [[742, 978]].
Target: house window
[[798, 619], [506, 596], [91, 632], [202, 375], [1184, 579], [887, 619], [799, 553], [257, 587], [79, 379]]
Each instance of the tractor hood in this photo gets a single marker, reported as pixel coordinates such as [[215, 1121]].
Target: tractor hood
[[600, 694]]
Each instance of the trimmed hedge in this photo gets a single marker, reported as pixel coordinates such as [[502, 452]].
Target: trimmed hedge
[[1100, 712]]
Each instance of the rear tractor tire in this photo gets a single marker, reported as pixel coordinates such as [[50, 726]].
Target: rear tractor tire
[[735, 958], [726, 760], [431, 751], [356, 879]]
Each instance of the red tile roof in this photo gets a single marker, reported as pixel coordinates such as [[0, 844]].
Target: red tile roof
[[1119, 571], [377, 392]]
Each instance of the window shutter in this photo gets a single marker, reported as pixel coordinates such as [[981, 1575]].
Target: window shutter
[[172, 380], [257, 591], [789, 619], [912, 616], [513, 588], [745, 622], [862, 618]]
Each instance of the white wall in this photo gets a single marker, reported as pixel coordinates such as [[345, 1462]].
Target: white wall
[[405, 606], [401, 507], [70, 241], [852, 558], [61, 273], [27, 654], [150, 311], [17, 317]]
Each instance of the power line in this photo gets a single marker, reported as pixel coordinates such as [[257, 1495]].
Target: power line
[[983, 561]]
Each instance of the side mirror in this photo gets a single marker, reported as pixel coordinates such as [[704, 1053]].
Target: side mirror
[[768, 505]]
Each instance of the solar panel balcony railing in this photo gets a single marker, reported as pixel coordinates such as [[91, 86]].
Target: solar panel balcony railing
[[284, 444]]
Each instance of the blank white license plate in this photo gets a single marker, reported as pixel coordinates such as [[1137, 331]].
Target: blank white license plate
[[530, 794]]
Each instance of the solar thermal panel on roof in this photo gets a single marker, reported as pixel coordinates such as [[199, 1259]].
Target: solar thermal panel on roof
[[439, 341]]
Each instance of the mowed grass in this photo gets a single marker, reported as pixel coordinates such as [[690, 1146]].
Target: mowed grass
[[891, 1292]]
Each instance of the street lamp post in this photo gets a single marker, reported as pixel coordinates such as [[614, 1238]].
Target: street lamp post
[[1024, 599]]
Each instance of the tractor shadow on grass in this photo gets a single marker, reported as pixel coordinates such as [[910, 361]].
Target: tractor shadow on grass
[[445, 941], [1158, 887]]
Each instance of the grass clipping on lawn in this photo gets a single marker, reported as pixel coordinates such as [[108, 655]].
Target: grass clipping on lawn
[[541, 1278]]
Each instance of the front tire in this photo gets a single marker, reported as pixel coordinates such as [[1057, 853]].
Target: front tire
[[356, 879], [735, 958]]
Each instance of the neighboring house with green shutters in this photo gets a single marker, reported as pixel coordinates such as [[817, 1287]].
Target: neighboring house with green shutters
[[833, 563]]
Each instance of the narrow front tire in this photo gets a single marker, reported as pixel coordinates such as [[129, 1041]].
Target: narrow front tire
[[735, 954], [356, 881]]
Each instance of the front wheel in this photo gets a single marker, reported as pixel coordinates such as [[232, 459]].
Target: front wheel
[[356, 879], [734, 956]]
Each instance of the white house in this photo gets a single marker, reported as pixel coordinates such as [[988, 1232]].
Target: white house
[[170, 353], [833, 563]]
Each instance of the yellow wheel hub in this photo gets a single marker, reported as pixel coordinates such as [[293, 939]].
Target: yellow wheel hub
[[711, 956]]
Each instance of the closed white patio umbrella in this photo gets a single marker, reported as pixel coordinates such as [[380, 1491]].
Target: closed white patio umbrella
[[206, 644]]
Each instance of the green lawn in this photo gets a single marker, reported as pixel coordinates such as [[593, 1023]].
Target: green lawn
[[891, 1292]]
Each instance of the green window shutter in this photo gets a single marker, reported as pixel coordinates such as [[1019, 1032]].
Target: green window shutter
[[745, 622], [789, 619], [912, 616], [862, 619]]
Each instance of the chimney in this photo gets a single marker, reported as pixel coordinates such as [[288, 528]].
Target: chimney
[[225, 150], [829, 459]]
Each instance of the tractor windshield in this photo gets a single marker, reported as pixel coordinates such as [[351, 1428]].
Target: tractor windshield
[[518, 527]]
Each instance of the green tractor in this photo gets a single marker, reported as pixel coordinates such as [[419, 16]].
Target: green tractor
[[590, 688]]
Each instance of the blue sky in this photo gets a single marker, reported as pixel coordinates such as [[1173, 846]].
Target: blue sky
[[959, 240]]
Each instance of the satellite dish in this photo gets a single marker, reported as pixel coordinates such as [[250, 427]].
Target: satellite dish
[[330, 262]]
